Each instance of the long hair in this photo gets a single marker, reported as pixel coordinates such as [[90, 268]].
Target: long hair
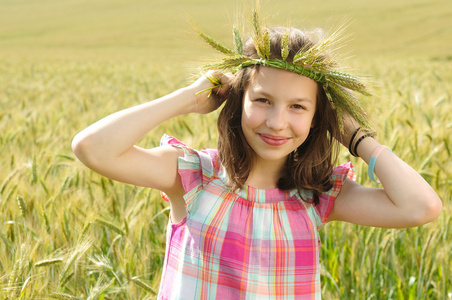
[[310, 166]]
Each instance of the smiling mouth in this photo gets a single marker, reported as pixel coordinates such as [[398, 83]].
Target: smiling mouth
[[273, 140]]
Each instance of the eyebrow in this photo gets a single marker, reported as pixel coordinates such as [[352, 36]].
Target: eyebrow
[[268, 95]]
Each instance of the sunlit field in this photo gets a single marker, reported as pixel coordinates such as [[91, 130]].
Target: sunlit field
[[68, 233]]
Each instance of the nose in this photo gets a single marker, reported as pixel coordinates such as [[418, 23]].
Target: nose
[[277, 119]]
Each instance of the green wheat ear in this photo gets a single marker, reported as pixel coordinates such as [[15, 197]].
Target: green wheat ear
[[234, 61], [347, 81], [345, 104], [22, 206], [260, 42], [312, 54], [285, 46], [237, 41], [256, 24], [266, 43], [340, 119], [212, 42]]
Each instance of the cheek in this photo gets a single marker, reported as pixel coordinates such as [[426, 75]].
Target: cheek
[[302, 126], [251, 118]]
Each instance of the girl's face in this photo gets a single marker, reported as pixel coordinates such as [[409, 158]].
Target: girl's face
[[278, 112]]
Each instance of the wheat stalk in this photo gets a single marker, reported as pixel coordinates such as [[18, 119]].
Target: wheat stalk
[[110, 225], [64, 279], [143, 285], [79, 250], [48, 262], [63, 296], [99, 287]]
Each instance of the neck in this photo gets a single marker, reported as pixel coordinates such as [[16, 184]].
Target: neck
[[265, 174]]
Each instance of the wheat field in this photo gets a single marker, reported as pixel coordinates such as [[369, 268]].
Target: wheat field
[[68, 233]]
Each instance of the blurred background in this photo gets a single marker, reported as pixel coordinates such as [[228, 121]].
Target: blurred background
[[68, 233], [157, 29]]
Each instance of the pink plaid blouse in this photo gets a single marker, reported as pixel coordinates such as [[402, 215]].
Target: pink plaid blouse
[[247, 244]]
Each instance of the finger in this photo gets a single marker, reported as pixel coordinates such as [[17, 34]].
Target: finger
[[227, 78], [226, 81]]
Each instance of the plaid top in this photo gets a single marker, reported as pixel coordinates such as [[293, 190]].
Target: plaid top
[[247, 244]]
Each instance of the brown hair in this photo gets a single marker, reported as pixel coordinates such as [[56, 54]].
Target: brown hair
[[311, 165]]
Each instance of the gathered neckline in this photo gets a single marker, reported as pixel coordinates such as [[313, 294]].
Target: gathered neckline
[[263, 195]]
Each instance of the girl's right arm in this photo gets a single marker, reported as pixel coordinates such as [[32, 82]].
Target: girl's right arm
[[108, 146]]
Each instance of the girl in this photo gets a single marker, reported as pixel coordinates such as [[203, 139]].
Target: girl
[[244, 219]]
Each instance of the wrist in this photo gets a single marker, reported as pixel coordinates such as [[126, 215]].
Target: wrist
[[366, 147], [359, 136]]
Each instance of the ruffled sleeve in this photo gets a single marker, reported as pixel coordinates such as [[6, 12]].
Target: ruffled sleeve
[[326, 199], [195, 168]]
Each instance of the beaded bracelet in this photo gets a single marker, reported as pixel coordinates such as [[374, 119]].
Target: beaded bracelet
[[373, 160], [355, 148]]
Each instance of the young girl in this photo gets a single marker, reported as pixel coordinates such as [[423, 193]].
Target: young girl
[[244, 218]]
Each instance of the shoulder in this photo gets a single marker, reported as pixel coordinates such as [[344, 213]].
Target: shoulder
[[196, 167], [339, 176]]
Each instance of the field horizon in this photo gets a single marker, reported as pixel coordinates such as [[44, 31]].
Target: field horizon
[[149, 29]]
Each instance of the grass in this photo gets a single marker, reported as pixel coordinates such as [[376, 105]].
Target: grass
[[68, 233]]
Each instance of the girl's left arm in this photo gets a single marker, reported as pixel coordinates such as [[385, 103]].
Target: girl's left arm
[[406, 199]]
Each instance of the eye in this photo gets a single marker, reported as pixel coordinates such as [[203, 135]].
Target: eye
[[262, 100], [298, 107]]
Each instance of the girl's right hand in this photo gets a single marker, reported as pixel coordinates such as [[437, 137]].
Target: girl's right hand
[[210, 99]]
